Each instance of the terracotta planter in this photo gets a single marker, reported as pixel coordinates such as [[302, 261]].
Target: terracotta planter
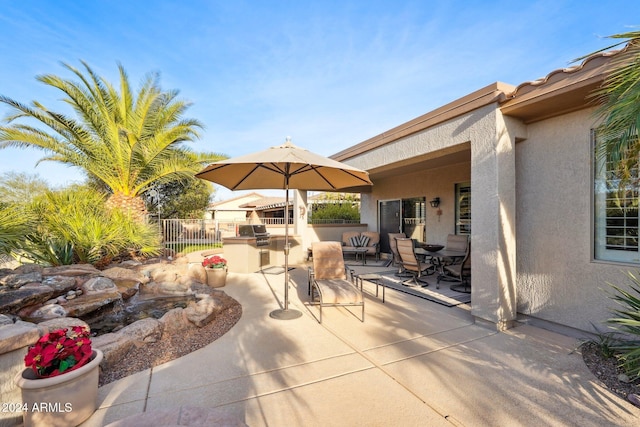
[[216, 277], [65, 400]]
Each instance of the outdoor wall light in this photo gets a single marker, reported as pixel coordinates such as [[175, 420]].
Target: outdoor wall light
[[435, 202]]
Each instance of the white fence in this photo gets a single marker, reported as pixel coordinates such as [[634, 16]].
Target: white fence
[[177, 234], [200, 234]]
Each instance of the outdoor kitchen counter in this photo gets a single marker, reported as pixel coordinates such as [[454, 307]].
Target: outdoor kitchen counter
[[244, 256]]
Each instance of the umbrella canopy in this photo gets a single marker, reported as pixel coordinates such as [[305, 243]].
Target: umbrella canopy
[[272, 167], [284, 166]]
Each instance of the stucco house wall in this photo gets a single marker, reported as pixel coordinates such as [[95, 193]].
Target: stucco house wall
[[528, 150], [429, 183], [558, 280]]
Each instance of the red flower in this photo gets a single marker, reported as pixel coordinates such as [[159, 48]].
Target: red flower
[[215, 261], [59, 351]]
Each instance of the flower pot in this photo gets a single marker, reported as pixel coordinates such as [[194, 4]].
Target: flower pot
[[216, 277], [64, 400]]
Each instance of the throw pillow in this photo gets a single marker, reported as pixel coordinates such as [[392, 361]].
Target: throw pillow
[[364, 240], [355, 241]]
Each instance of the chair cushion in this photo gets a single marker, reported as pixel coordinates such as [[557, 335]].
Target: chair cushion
[[457, 242], [347, 235], [328, 261], [336, 291], [354, 241], [374, 237]]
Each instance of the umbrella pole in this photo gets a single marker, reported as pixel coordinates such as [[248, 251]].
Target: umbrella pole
[[286, 314]]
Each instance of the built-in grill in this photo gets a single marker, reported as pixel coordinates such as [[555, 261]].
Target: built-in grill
[[259, 231]]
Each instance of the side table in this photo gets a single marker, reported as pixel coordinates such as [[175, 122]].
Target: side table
[[373, 278]]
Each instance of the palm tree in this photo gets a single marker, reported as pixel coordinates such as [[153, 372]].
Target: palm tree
[[124, 140], [619, 105]]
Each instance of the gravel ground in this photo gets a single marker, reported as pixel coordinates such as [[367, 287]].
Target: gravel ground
[[608, 372], [174, 346]]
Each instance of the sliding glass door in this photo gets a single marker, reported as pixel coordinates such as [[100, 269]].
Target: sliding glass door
[[390, 222], [401, 216]]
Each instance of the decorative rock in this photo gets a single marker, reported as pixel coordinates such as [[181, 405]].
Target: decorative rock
[[51, 301], [174, 321], [115, 273], [202, 312], [145, 330], [28, 268], [127, 293], [624, 378], [164, 275], [92, 301], [5, 320], [62, 323], [197, 272], [15, 281], [14, 336], [59, 284], [114, 346], [71, 296], [99, 284], [172, 288], [47, 312], [71, 270], [61, 300], [12, 300]]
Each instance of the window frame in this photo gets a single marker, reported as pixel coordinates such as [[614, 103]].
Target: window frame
[[603, 242], [463, 229]]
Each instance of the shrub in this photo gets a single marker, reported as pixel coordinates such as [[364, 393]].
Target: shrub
[[15, 223], [72, 226], [627, 322], [337, 211]]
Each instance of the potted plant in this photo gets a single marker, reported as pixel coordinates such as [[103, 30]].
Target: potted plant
[[216, 268], [60, 384]]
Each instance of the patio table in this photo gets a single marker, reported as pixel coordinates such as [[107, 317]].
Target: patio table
[[362, 252], [438, 258], [373, 278]]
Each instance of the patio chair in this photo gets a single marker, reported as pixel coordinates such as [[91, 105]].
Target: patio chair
[[460, 272], [411, 263], [329, 284], [395, 255], [455, 242]]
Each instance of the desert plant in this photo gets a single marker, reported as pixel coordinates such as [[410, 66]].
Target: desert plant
[[627, 322], [73, 226], [605, 342], [15, 224], [619, 107]]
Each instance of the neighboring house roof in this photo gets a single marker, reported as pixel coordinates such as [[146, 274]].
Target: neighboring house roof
[[266, 203], [559, 92], [220, 205]]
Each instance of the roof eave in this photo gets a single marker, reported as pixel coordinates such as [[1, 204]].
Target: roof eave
[[492, 93]]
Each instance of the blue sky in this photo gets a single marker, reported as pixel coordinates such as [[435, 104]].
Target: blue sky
[[330, 74]]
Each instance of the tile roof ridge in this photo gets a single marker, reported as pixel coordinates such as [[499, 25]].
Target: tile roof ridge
[[567, 70]]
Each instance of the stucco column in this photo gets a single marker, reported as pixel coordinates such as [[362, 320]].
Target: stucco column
[[493, 240]]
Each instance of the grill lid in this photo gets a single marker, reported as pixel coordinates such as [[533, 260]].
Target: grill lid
[[252, 230]]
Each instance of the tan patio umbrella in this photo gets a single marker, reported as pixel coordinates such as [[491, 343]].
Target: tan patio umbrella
[[284, 166]]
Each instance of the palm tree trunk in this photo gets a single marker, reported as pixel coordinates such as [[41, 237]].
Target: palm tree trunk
[[133, 205]]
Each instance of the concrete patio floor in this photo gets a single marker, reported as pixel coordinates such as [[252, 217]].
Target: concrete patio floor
[[411, 363]]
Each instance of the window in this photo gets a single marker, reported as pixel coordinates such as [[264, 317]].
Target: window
[[463, 208], [615, 211], [413, 218]]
